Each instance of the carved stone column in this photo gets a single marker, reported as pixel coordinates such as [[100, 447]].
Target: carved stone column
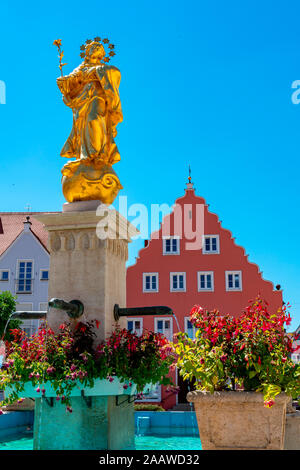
[[85, 267]]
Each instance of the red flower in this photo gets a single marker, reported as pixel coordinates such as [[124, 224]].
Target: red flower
[[269, 403]]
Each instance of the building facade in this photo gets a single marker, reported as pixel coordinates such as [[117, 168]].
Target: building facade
[[24, 262], [179, 272], [295, 356]]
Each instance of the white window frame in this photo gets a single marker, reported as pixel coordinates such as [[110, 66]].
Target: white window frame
[[156, 320], [146, 291], [170, 253], [6, 271], [18, 276], [43, 270], [178, 289], [186, 319], [209, 252], [134, 320], [205, 273], [233, 289]]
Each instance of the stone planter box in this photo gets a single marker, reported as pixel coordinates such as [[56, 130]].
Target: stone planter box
[[238, 420], [102, 387]]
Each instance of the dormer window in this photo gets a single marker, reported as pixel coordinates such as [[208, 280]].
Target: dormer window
[[211, 244], [171, 246]]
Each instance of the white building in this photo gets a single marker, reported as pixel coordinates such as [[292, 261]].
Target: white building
[[24, 262]]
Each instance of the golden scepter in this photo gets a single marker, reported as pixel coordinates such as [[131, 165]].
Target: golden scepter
[[57, 43]]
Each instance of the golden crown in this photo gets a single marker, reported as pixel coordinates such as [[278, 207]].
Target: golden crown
[[109, 53]]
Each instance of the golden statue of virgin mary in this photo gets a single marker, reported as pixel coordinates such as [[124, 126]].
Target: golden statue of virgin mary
[[92, 92]]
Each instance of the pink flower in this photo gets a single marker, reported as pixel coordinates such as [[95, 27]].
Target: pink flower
[[57, 398], [125, 386], [1, 412], [38, 390]]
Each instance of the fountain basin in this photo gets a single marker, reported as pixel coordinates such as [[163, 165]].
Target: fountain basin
[[102, 387]]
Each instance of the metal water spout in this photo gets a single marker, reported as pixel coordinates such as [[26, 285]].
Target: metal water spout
[[74, 309], [136, 311]]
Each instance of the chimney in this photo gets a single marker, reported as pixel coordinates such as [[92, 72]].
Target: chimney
[[27, 224]]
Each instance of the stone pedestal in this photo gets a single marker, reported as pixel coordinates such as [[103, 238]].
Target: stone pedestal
[[90, 269], [86, 268]]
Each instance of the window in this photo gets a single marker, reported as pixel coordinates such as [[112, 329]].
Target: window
[[43, 306], [189, 328], [205, 281], [165, 327], [4, 275], [150, 282], [25, 276], [233, 280], [153, 395], [211, 244], [177, 282], [44, 276], [29, 326], [171, 246], [295, 358], [135, 325]]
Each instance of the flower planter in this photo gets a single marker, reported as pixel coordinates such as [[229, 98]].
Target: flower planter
[[102, 387], [239, 420]]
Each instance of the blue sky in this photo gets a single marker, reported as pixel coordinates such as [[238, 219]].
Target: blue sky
[[203, 83]]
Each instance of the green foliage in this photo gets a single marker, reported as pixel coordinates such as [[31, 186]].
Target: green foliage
[[251, 351], [70, 356], [148, 407], [7, 307]]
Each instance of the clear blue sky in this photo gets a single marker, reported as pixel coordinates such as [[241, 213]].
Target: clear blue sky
[[203, 83]]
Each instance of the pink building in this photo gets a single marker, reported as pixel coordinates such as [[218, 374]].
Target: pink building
[[179, 271]]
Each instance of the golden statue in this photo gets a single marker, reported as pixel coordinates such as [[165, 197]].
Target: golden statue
[[92, 92]]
